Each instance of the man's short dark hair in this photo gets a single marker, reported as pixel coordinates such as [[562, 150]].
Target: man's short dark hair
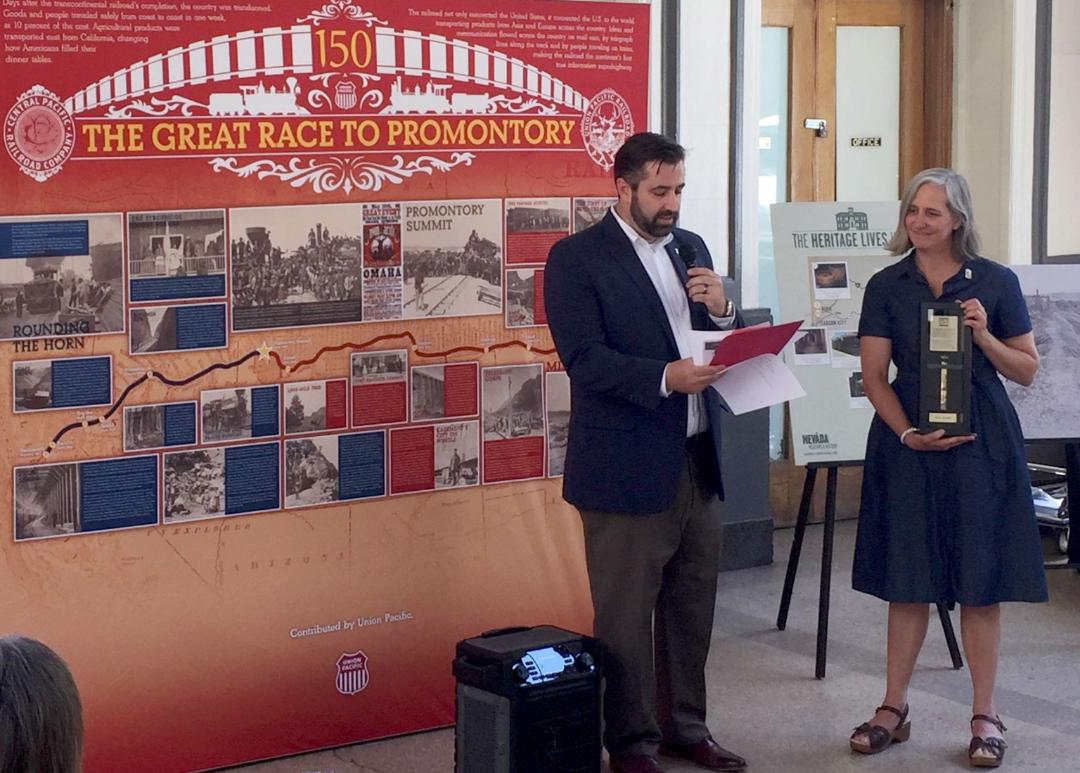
[[642, 149]]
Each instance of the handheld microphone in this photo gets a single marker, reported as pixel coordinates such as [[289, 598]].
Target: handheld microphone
[[688, 255]]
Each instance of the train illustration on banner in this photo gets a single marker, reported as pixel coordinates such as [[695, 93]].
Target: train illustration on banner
[[433, 99], [258, 100], [339, 81]]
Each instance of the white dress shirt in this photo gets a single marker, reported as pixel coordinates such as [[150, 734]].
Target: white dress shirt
[[657, 263]]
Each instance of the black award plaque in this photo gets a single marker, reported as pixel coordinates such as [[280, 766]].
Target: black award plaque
[[945, 370]]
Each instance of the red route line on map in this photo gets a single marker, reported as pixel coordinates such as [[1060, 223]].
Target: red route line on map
[[417, 352], [153, 374]]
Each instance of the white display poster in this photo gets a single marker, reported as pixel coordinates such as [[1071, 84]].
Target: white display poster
[[825, 254]]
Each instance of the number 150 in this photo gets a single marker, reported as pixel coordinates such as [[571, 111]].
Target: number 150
[[333, 44]]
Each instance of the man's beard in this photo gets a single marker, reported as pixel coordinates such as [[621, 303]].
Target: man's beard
[[652, 227]]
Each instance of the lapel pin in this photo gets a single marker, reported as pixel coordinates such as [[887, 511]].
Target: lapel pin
[[967, 273]]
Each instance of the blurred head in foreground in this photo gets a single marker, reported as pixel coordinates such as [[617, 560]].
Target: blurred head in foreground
[[41, 728]]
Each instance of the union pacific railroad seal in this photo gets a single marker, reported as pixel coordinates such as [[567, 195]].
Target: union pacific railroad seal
[[605, 126]]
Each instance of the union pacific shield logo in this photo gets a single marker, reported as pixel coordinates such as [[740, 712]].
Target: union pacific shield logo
[[352, 673], [345, 95]]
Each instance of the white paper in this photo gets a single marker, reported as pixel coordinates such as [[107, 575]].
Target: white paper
[[757, 383]]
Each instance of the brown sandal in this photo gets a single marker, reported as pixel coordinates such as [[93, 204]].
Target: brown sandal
[[994, 746], [881, 738]]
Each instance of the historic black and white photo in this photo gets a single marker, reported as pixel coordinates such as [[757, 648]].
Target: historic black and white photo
[[452, 258], [590, 211], [379, 392], [557, 392], [444, 391], [311, 471], [428, 392], [33, 385], [539, 215], [513, 402], [176, 244], [144, 427], [153, 329], [522, 293], [296, 265], [379, 367], [533, 226], [194, 484], [457, 454], [66, 295], [305, 407], [46, 501], [1049, 409], [226, 414]]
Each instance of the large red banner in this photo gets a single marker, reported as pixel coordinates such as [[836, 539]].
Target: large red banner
[[282, 417], [205, 103]]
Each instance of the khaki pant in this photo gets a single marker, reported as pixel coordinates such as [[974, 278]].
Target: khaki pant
[[653, 583]]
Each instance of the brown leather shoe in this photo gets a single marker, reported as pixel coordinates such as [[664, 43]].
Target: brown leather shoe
[[987, 752], [878, 737], [707, 753], [633, 763]]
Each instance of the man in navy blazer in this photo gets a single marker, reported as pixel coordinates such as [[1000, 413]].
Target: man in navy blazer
[[642, 455]]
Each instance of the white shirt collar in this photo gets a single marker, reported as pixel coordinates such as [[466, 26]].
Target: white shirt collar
[[637, 239]]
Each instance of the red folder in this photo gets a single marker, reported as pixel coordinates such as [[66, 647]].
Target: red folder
[[748, 342]]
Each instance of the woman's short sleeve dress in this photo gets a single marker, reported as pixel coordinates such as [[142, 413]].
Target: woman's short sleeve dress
[[959, 525]]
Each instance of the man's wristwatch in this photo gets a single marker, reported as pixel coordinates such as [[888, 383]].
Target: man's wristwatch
[[729, 309]]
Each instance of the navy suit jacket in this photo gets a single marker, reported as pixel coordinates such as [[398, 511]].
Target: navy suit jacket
[[625, 447]]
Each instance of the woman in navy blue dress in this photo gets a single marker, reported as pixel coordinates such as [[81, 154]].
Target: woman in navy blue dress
[[944, 519]]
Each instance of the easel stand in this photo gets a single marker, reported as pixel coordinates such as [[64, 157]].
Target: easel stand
[[826, 565]]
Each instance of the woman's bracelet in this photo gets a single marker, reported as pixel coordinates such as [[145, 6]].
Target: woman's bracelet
[[907, 432]]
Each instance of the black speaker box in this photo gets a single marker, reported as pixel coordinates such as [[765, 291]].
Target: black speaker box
[[528, 701]]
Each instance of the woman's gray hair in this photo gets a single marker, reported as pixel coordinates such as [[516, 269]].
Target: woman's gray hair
[[41, 727], [965, 239]]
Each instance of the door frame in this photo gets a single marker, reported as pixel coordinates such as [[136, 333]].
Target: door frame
[[812, 87]]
